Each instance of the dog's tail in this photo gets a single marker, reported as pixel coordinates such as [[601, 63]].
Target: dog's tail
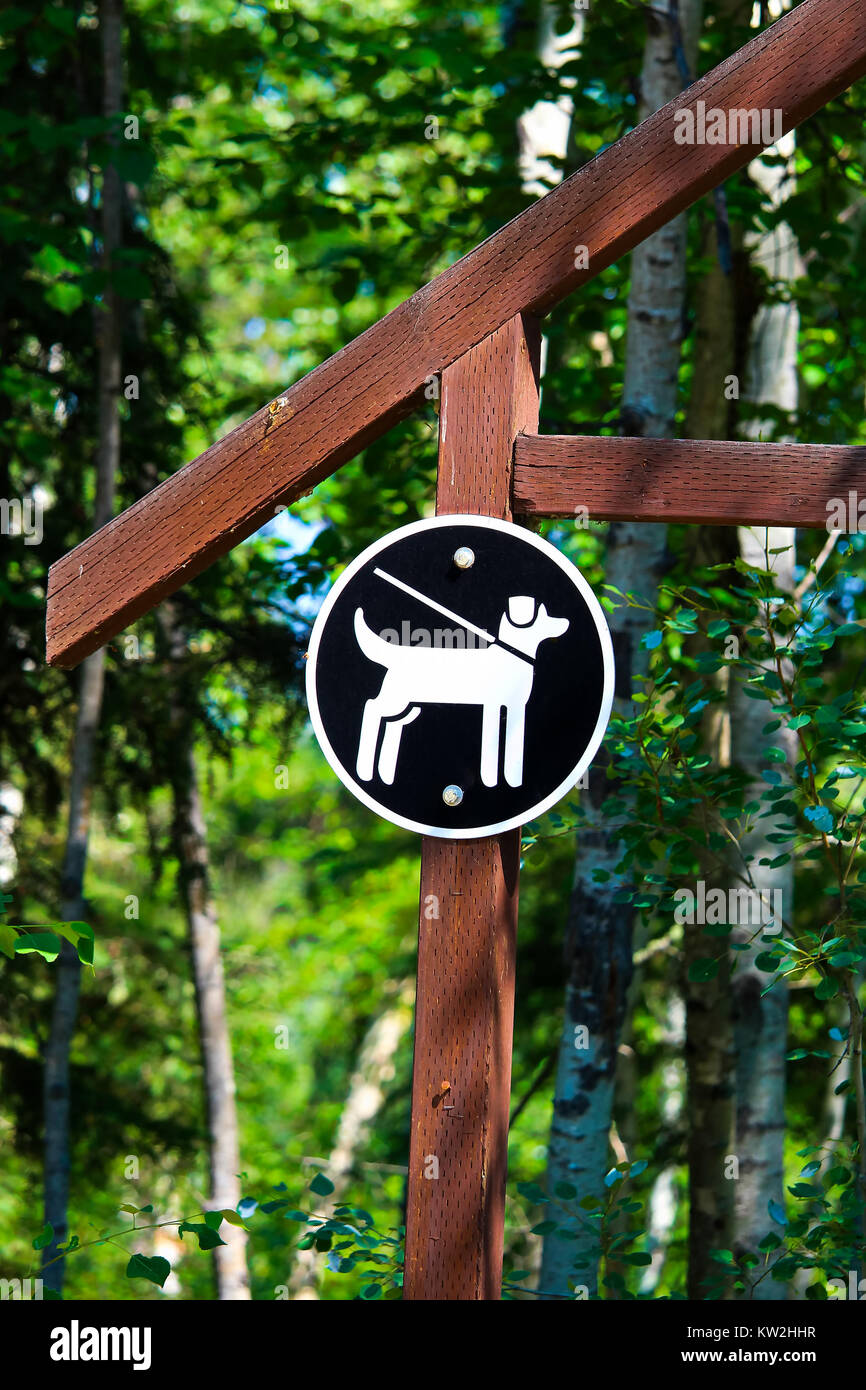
[[371, 644]]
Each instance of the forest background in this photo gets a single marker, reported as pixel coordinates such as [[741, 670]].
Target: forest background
[[202, 202]]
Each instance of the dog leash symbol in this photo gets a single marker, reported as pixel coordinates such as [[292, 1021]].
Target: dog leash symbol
[[455, 617]]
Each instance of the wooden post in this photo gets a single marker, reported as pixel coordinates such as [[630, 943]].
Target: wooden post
[[467, 932]]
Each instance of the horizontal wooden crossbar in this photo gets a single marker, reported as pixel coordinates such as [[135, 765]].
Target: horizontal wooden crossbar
[[700, 481], [808, 56]]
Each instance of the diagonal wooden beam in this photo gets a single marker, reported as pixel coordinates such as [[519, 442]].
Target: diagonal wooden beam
[[808, 56], [701, 481]]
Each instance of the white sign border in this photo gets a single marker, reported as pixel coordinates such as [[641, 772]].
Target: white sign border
[[595, 609]]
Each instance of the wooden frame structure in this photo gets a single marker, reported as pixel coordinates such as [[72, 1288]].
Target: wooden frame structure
[[476, 324]]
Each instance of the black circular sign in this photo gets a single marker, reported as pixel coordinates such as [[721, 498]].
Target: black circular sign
[[460, 676]]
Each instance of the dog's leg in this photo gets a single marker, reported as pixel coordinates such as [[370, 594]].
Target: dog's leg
[[369, 738], [515, 725], [490, 744], [391, 744]]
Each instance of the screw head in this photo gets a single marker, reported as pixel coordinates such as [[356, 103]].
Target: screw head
[[464, 558], [452, 796]]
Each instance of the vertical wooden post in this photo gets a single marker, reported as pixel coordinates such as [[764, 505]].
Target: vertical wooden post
[[467, 932]]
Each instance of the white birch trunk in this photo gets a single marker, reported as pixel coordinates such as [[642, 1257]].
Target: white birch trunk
[[598, 934], [190, 830], [760, 1024]]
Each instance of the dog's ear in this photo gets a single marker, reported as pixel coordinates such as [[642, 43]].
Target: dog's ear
[[521, 610]]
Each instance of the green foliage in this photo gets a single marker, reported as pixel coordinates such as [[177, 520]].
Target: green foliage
[[348, 1238], [305, 128], [821, 1237], [612, 1223]]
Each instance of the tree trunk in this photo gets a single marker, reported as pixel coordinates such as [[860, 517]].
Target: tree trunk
[[56, 1091], [662, 1202], [598, 931], [190, 836], [709, 1044], [761, 1024]]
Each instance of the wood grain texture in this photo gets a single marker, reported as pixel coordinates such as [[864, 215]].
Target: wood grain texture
[[279, 454], [699, 481], [467, 935]]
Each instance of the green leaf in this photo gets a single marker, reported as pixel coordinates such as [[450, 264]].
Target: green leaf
[[770, 1242], [322, 1185], [532, 1192], [52, 263], [42, 943], [151, 1267], [207, 1238], [371, 1291], [820, 818], [777, 1213], [837, 1177], [767, 961], [566, 1190], [231, 1217], [45, 1237], [64, 296], [703, 969]]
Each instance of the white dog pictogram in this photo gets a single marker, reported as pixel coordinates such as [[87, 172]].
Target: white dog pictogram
[[494, 677]]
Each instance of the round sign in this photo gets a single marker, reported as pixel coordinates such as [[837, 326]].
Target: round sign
[[460, 676]]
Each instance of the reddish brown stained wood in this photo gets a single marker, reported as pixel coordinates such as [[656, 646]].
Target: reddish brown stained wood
[[699, 481], [811, 54], [467, 933]]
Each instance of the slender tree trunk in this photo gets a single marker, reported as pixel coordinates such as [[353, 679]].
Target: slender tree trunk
[[598, 931], [542, 131], [662, 1203], [761, 1023], [204, 942], [56, 1091], [709, 1044]]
